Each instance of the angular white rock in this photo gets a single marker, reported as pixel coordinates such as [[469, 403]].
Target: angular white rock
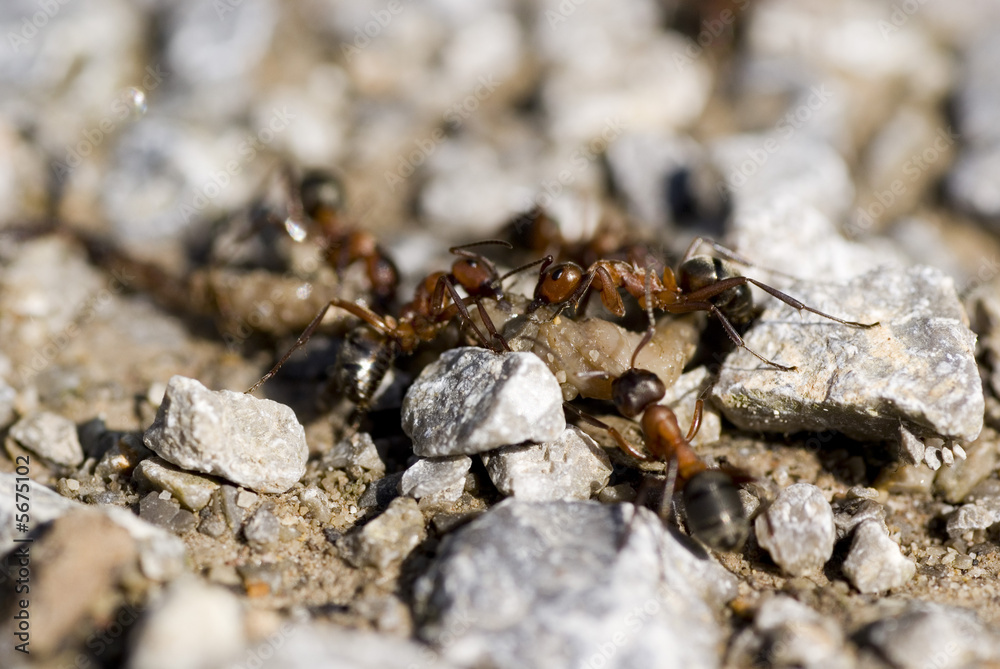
[[570, 467], [255, 443], [798, 529], [50, 436], [875, 563], [472, 400]]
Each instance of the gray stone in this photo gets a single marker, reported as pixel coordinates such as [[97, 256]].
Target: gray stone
[[853, 512], [955, 483], [909, 448], [263, 528], [980, 515], [191, 490], [324, 646], [49, 436], [798, 529], [875, 563], [388, 538], [917, 366], [471, 400], [555, 584], [255, 443], [191, 625], [379, 493], [358, 450], [438, 478], [925, 634], [789, 633], [570, 467]]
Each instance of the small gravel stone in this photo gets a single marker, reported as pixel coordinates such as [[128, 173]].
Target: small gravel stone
[[387, 539], [263, 528], [982, 457], [246, 499], [229, 503], [191, 490], [49, 436], [190, 626], [379, 493], [317, 503], [570, 467], [545, 584], [917, 366], [8, 401], [156, 510], [790, 634], [875, 563], [440, 478], [256, 443], [324, 646], [925, 634], [855, 511], [909, 448], [798, 529], [981, 515], [358, 450], [472, 400]]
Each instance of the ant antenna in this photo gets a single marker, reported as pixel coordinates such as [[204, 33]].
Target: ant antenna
[[651, 328]]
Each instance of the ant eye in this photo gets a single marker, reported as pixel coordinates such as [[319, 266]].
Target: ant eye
[[557, 274]]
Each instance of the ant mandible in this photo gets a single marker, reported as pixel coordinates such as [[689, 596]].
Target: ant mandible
[[701, 283]]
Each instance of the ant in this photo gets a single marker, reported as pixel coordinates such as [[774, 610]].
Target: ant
[[314, 207], [368, 352], [712, 505], [700, 283]]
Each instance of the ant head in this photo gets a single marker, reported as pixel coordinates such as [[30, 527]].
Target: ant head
[[322, 194], [557, 284], [477, 276], [635, 390]]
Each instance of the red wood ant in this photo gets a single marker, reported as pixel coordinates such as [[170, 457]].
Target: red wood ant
[[368, 351], [701, 283], [712, 505]]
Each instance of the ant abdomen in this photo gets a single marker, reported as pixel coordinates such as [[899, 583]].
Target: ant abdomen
[[704, 271], [714, 511], [362, 363]]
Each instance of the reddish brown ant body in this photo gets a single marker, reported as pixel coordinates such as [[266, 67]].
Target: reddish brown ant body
[[701, 283], [712, 505], [368, 351]]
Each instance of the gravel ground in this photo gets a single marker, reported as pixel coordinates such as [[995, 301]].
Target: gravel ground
[[152, 517]]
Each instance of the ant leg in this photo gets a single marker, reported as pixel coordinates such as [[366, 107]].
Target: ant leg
[[699, 409], [609, 291], [687, 307], [361, 312], [615, 434], [464, 312], [795, 304], [667, 500], [651, 329]]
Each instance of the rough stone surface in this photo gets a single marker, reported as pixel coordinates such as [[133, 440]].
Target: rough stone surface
[[875, 563], [49, 436], [570, 467], [71, 577], [325, 646], [791, 634], [980, 515], [925, 634], [388, 538], [190, 626], [161, 555], [798, 529], [191, 490], [471, 400], [358, 450], [263, 528], [917, 366], [255, 443], [440, 478], [544, 584]]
